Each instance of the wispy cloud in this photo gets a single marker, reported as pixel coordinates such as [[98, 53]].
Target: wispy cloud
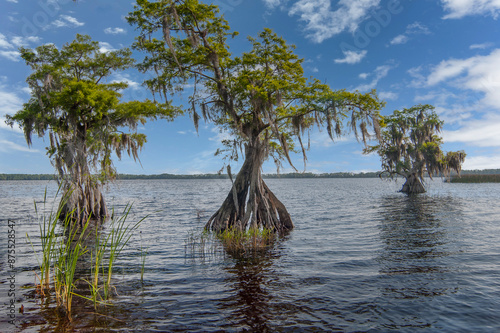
[[123, 77], [388, 95], [459, 8], [379, 73], [114, 31], [271, 4], [323, 22], [66, 21], [10, 55], [482, 132], [479, 73], [9, 102], [481, 46], [8, 49], [351, 57], [9, 146], [412, 29], [482, 162], [105, 47]]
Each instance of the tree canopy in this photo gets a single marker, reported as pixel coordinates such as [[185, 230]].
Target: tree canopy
[[411, 147], [261, 97], [81, 112]]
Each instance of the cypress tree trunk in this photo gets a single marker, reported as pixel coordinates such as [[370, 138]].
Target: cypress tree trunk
[[250, 203], [413, 185], [83, 201]]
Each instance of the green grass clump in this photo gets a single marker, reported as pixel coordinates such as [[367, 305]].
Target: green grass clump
[[65, 244], [235, 240]]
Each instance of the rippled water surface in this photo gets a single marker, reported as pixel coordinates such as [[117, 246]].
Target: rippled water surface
[[363, 258]]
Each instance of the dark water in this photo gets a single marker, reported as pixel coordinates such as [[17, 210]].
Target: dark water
[[363, 258]]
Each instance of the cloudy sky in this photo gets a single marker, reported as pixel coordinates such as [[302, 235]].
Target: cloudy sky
[[441, 52]]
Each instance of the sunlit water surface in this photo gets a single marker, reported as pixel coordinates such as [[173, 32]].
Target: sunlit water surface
[[362, 258]]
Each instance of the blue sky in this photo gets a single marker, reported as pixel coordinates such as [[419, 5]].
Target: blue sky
[[441, 52]]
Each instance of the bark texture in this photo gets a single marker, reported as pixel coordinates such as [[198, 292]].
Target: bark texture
[[413, 185], [83, 201], [250, 203]]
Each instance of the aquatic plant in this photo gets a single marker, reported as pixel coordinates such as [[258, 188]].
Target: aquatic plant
[[61, 253], [70, 250], [235, 240]]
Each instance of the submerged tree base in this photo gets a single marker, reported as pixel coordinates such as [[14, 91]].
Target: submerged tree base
[[413, 185], [251, 204], [81, 203]]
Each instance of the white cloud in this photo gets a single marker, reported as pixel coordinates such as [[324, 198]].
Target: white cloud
[[400, 39], [379, 73], [114, 31], [121, 77], [10, 55], [220, 135], [351, 57], [66, 21], [105, 47], [481, 162], [483, 132], [271, 4], [8, 146], [10, 103], [8, 49], [323, 22], [19, 41], [415, 28], [13, 1], [4, 43], [480, 46], [388, 95], [479, 73], [459, 8]]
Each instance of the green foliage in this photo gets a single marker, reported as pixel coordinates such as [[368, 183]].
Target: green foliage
[[71, 103], [410, 144], [261, 97], [63, 245], [236, 241], [81, 113]]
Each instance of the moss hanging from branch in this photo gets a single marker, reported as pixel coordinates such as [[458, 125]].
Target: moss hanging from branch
[[83, 118], [262, 99]]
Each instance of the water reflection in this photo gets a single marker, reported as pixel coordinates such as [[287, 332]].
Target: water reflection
[[248, 303], [53, 310], [416, 243]]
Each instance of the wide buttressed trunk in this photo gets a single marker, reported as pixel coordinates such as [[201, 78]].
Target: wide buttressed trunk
[[250, 203], [83, 201], [413, 185]]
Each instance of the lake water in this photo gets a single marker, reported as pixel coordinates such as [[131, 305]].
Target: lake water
[[362, 258]]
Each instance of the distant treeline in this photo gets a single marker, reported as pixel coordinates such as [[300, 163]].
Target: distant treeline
[[202, 176], [15, 176], [283, 175], [467, 176]]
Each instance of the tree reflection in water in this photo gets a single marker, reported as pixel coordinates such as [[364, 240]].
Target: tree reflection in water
[[417, 239], [249, 301]]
